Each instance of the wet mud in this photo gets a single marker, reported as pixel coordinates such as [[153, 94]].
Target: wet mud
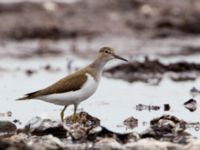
[[153, 71], [29, 20]]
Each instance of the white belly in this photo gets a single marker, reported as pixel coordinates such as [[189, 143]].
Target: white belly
[[73, 97]]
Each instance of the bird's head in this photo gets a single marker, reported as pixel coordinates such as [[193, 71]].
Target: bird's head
[[108, 53]]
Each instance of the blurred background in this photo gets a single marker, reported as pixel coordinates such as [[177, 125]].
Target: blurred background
[[43, 40]]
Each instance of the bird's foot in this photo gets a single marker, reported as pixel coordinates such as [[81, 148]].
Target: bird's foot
[[75, 118]]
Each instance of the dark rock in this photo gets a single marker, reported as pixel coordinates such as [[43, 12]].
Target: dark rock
[[85, 123], [88, 128], [17, 121], [168, 128], [38, 126], [165, 132], [131, 122], [166, 107], [119, 137], [7, 128], [84, 119], [173, 122], [191, 105], [154, 69]]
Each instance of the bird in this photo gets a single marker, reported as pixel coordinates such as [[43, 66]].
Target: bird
[[76, 87]]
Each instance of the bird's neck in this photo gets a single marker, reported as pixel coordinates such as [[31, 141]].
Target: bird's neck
[[99, 63], [96, 67]]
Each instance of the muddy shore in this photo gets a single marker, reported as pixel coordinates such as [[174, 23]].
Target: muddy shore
[[153, 71], [40, 32], [29, 20], [165, 132]]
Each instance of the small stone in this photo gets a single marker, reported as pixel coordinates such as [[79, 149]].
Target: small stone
[[154, 108], [166, 107], [47, 67], [29, 72], [194, 92], [9, 114], [140, 107], [17, 121], [191, 105], [131, 122]]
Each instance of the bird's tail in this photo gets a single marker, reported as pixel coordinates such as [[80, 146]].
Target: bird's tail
[[22, 98], [27, 96]]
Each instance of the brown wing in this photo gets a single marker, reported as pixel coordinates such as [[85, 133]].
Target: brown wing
[[72, 82]]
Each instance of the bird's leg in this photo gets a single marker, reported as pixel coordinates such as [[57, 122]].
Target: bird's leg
[[62, 113], [75, 118]]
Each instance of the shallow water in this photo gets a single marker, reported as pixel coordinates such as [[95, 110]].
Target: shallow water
[[113, 102]]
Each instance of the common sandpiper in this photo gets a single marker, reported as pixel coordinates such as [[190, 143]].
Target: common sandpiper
[[76, 87]]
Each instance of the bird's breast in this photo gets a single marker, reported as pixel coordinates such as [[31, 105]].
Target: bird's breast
[[89, 87]]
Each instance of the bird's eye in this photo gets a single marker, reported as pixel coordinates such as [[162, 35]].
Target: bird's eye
[[106, 51]]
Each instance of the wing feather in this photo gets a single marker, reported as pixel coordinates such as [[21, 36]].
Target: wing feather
[[69, 83]]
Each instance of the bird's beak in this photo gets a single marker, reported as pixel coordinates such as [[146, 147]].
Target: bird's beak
[[118, 57]]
